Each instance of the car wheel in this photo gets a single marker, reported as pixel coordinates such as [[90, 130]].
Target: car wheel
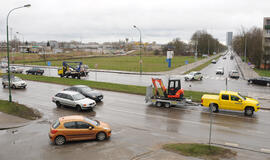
[[167, 105], [4, 86], [214, 108], [101, 136], [13, 86], [158, 104], [60, 140], [79, 77], [78, 108], [249, 111], [268, 84], [61, 75], [58, 104], [250, 82]]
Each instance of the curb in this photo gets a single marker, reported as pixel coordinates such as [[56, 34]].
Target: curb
[[12, 127]]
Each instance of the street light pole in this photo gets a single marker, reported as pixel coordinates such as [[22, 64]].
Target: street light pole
[[10, 97], [140, 48]]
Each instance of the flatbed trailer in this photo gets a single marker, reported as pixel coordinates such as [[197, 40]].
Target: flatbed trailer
[[162, 101]]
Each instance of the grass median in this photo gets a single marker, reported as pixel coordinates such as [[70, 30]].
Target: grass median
[[19, 110], [132, 89], [127, 63], [200, 150], [263, 73]]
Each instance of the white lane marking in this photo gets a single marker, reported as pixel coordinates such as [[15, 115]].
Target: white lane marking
[[231, 144], [265, 150], [217, 78]]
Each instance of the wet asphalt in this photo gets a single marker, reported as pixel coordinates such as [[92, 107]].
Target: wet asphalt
[[139, 129], [211, 82]]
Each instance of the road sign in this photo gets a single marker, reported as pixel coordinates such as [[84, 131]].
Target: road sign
[[49, 63], [186, 62]]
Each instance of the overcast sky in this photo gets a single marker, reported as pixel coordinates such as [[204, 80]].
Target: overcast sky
[[112, 20]]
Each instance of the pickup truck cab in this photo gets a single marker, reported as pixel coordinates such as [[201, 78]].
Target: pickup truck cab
[[229, 100]]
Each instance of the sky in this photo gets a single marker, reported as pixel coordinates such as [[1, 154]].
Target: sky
[[112, 20]]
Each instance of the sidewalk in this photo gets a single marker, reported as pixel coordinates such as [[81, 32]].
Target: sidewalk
[[8, 121], [245, 70]]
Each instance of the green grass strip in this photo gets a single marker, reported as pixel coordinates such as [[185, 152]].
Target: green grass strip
[[132, 89], [263, 73], [18, 110], [200, 150]]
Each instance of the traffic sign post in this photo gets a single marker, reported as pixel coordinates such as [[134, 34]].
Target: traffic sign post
[[186, 62]]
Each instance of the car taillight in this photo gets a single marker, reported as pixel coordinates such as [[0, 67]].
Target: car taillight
[[201, 101], [53, 131]]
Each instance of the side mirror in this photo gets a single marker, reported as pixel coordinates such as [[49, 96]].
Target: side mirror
[[239, 100], [90, 128]]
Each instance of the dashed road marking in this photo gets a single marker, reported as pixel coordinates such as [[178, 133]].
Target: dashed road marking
[[265, 150], [231, 144]]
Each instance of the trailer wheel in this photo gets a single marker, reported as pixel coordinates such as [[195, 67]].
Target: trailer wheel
[[167, 105], [158, 104]]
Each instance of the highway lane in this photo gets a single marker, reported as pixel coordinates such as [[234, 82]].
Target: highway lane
[[136, 126]]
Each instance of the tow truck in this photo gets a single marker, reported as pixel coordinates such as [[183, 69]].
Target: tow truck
[[69, 70], [174, 95]]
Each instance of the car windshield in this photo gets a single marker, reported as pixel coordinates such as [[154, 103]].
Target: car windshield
[[241, 96], [17, 80], [78, 97], [92, 122], [86, 89]]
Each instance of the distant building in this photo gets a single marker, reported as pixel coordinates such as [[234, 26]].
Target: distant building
[[229, 37], [266, 43]]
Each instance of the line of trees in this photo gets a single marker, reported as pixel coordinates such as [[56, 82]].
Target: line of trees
[[250, 41], [201, 42]]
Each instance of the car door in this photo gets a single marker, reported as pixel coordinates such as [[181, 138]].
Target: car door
[[71, 132], [196, 76], [236, 103], [70, 101], [225, 101], [85, 130], [64, 100]]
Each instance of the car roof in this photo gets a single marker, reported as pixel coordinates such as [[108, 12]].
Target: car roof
[[69, 92], [229, 92], [71, 118]]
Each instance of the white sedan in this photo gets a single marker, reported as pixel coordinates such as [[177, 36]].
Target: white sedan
[[193, 76]]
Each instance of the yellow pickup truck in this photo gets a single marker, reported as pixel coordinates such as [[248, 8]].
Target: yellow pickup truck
[[229, 100]]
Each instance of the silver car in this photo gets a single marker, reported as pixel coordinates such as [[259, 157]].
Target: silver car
[[15, 82], [73, 99]]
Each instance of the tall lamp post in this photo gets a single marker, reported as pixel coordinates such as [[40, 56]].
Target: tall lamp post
[[28, 5], [140, 48]]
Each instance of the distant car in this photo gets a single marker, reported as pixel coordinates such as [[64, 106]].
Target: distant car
[[224, 57], [87, 92], [220, 70], [3, 64], [73, 99], [73, 128], [35, 71], [15, 82], [214, 61], [193, 76], [234, 74], [15, 70], [231, 57], [265, 81], [205, 56]]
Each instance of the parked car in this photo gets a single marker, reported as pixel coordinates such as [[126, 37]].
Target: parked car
[[15, 82], [193, 76], [214, 61], [220, 70], [74, 128], [87, 92], [224, 57], [231, 57], [73, 99], [265, 81], [234, 74], [15, 70], [229, 100], [35, 71]]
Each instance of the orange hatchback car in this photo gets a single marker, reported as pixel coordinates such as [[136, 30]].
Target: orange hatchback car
[[74, 128]]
